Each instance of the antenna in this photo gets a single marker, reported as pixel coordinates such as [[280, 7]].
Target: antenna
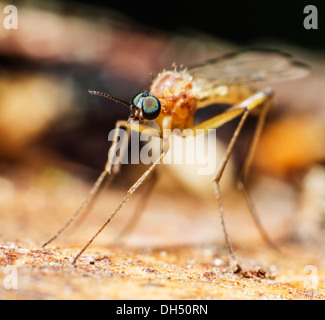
[[106, 95]]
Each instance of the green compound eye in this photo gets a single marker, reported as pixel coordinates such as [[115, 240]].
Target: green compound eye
[[136, 99], [149, 105]]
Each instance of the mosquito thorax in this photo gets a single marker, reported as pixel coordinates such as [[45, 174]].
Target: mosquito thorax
[[175, 92]]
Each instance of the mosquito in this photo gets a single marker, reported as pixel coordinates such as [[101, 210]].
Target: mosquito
[[172, 101]]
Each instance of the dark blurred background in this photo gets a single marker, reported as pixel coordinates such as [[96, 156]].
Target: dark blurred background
[[241, 22]]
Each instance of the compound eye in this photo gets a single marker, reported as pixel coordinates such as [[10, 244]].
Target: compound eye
[[150, 107], [136, 99]]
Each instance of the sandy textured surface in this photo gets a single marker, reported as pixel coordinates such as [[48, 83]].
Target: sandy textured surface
[[150, 274], [173, 253]]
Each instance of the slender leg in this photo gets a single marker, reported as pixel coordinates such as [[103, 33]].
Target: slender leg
[[109, 169], [241, 109], [141, 205], [120, 206], [115, 169], [90, 196], [234, 264], [265, 106], [247, 163]]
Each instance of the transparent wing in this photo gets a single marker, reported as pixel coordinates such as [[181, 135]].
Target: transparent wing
[[247, 67]]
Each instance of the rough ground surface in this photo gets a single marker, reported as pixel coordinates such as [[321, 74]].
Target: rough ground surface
[[170, 255], [149, 274]]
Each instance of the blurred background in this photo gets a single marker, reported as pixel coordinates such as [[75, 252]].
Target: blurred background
[[54, 143]]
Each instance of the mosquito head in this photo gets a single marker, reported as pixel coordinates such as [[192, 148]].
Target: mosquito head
[[148, 104], [144, 106]]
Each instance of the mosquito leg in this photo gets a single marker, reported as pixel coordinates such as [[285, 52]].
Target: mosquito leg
[[245, 170], [234, 263], [240, 109], [265, 106], [120, 206], [141, 205], [95, 189], [252, 211], [115, 170]]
